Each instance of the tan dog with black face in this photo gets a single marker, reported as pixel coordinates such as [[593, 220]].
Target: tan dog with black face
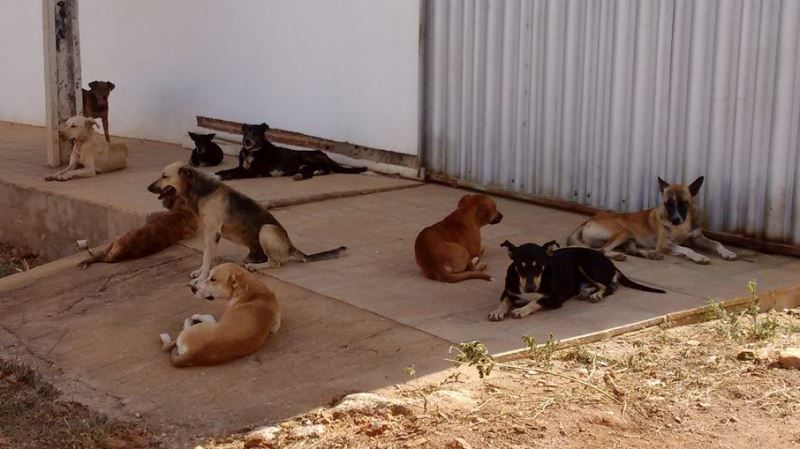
[[252, 315], [450, 250], [89, 150], [653, 232]]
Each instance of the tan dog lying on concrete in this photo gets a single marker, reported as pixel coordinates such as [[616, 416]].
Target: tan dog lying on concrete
[[450, 250], [89, 150], [650, 233], [252, 315], [162, 230]]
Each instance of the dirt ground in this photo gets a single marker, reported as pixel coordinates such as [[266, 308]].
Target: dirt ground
[[708, 385]]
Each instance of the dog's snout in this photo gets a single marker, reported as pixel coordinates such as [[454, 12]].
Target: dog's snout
[[497, 218], [676, 220], [530, 289], [210, 297]]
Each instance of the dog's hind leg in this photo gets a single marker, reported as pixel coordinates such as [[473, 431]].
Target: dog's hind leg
[[616, 240], [706, 243], [276, 245], [632, 249]]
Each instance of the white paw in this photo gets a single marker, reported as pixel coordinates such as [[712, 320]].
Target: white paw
[[596, 297], [298, 177], [194, 274], [519, 313], [619, 257], [250, 267], [195, 283], [497, 316], [166, 341], [702, 260], [728, 254]]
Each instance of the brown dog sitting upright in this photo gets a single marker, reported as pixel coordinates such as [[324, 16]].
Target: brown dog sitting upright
[[651, 233], [252, 315], [95, 102], [450, 250], [162, 230]]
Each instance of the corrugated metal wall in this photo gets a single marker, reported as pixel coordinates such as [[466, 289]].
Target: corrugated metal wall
[[591, 100]]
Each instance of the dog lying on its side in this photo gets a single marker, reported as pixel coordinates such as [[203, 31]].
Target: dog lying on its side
[[88, 150], [206, 153], [450, 250], [227, 213], [95, 102], [259, 158], [546, 277], [252, 315], [162, 230], [650, 233]]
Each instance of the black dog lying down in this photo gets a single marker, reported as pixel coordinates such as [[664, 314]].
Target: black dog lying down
[[259, 157], [206, 153], [546, 277]]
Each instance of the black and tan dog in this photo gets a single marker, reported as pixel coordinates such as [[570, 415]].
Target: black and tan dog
[[260, 158], [545, 277], [95, 102], [227, 213], [206, 153], [653, 232]]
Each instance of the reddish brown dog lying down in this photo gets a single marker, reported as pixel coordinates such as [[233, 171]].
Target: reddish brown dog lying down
[[450, 250], [161, 231]]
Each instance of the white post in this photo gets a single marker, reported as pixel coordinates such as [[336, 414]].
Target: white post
[[62, 72]]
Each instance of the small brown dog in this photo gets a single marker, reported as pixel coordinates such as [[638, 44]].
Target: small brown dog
[[450, 250], [162, 230], [651, 233], [95, 102], [252, 315], [89, 151]]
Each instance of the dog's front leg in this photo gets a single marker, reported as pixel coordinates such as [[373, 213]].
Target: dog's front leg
[[73, 164], [677, 250], [502, 309], [212, 237], [87, 171], [528, 309], [706, 243], [104, 119]]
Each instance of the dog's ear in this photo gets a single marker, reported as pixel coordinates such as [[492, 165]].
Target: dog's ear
[[263, 127], [211, 136], [90, 123], [192, 135], [93, 84], [185, 172], [510, 247], [234, 281], [551, 247], [111, 86], [695, 186], [662, 185]]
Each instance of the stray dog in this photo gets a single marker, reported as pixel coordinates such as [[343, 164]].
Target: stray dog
[[230, 214], [259, 158], [206, 153], [161, 231], [95, 102], [450, 250], [88, 150], [252, 315], [650, 233], [546, 277]]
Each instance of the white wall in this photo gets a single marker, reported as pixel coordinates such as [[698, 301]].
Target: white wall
[[345, 69], [22, 71]]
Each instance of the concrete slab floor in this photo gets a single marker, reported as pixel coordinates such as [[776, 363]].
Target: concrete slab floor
[[99, 327]]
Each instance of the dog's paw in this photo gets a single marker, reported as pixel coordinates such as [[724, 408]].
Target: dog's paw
[[619, 257], [297, 177], [702, 260], [195, 283], [655, 255], [595, 297], [728, 254], [497, 316], [49, 178], [166, 342], [251, 267], [194, 274], [519, 313]]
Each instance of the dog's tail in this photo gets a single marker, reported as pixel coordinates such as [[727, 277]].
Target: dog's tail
[[463, 276], [323, 255], [631, 284], [336, 168]]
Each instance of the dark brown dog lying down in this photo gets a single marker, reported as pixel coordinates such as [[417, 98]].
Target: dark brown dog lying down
[[161, 231], [450, 250]]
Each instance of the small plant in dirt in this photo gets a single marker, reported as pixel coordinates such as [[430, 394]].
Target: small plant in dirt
[[746, 325], [585, 356], [475, 354], [541, 354]]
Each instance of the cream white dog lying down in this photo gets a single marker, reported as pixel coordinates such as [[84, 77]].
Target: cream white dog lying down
[[89, 150], [252, 315]]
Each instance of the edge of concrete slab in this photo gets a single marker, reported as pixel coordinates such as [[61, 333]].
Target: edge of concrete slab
[[776, 299]]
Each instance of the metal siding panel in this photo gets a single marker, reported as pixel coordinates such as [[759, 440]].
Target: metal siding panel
[[591, 100]]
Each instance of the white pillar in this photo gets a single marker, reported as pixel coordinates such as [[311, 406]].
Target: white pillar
[[62, 72]]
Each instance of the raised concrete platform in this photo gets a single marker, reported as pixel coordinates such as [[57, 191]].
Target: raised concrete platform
[[352, 324]]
